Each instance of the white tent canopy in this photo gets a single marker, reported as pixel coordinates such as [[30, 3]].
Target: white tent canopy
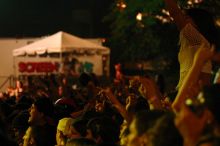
[[60, 42]]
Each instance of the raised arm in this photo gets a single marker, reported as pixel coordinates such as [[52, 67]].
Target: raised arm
[[176, 13], [151, 92], [121, 109], [201, 57]]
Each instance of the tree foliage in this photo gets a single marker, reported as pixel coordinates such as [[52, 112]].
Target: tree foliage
[[141, 40], [130, 40], [149, 39]]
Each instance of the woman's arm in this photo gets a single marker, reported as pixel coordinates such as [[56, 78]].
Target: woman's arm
[[176, 13], [151, 92], [121, 109], [202, 55]]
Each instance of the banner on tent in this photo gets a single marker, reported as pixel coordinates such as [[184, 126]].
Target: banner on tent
[[45, 65], [38, 67]]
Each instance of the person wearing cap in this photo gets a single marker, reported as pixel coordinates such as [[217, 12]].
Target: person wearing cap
[[42, 121], [63, 131]]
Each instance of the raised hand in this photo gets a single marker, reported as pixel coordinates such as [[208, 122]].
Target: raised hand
[[150, 90], [110, 95]]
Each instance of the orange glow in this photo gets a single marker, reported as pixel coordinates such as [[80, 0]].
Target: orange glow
[[121, 5], [218, 22]]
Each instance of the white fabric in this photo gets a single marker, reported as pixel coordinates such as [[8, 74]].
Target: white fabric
[[190, 40], [60, 42]]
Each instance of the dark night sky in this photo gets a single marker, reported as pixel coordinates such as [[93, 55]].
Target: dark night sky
[[29, 18]]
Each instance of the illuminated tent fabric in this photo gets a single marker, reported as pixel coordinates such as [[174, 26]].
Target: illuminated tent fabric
[[60, 42]]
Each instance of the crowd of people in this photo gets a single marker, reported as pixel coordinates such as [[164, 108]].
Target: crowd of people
[[130, 111]]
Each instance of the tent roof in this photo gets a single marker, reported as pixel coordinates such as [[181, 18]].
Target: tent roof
[[60, 42]]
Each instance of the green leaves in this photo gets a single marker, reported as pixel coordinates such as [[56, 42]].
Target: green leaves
[[147, 38], [137, 38]]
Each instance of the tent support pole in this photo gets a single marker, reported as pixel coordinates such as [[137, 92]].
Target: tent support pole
[[61, 62], [14, 76]]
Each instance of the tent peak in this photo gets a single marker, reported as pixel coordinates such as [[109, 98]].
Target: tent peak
[[60, 42]]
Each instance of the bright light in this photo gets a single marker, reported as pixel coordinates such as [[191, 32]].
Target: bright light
[[139, 16], [197, 1], [163, 19], [103, 40], [191, 2], [123, 5], [165, 12]]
